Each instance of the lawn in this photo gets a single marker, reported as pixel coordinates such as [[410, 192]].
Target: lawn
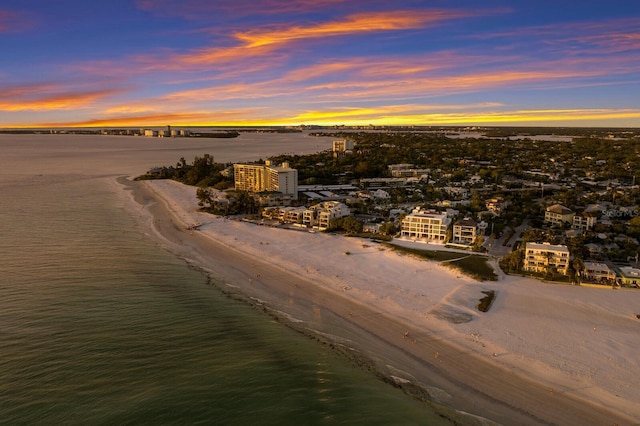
[[473, 265]]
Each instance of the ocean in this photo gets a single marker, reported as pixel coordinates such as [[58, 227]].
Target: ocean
[[100, 325]]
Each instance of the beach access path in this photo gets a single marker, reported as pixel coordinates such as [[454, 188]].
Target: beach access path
[[403, 331]]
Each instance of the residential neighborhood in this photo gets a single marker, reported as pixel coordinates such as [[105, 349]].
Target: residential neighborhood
[[563, 211]]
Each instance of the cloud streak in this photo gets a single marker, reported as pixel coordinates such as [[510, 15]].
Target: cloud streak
[[267, 42], [197, 10], [406, 116], [351, 25], [49, 96], [14, 21]]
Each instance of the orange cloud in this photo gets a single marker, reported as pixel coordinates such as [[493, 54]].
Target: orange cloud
[[261, 43], [263, 48], [35, 98], [196, 118], [354, 24], [360, 79], [412, 86]]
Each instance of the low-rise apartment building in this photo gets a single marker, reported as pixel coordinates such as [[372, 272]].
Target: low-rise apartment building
[[597, 272], [465, 232], [558, 214], [284, 214], [545, 257], [319, 215], [629, 276], [584, 221], [426, 226]]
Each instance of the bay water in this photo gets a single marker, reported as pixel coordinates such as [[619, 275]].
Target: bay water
[[99, 325]]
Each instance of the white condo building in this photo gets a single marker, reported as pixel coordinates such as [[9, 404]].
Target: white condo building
[[426, 226], [319, 215], [545, 257]]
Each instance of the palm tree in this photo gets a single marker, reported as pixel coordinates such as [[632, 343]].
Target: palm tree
[[578, 267]]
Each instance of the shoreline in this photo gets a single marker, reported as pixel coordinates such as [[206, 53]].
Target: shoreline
[[310, 301]]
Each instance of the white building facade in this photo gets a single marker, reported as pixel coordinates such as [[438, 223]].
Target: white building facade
[[425, 226], [545, 257], [319, 215]]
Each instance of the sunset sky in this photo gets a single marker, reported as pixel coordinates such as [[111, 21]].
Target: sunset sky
[[136, 63]]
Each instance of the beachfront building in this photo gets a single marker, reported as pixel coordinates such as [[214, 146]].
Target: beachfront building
[[584, 221], [465, 232], [558, 214], [319, 215], [425, 226], [284, 214], [597, 272], [629, 276], [266, 178], [545, 257]]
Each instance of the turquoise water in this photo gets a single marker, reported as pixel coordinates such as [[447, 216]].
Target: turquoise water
[[98, 325]]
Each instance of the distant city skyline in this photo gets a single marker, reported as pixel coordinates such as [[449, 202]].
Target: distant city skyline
[[127, 63]]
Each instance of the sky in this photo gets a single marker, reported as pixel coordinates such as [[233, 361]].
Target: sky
[[131, 63]]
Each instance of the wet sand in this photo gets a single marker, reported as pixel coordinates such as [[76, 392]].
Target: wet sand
[[420, 362]]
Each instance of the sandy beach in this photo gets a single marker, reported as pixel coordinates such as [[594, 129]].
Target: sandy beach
[[543, 354]]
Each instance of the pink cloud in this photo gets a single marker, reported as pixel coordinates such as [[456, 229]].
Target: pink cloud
[[183, 118], [204, 9], [13, 21], [266, 45], [50, 96], [601, 37]]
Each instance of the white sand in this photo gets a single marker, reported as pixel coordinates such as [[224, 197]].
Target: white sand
[[575, 341]]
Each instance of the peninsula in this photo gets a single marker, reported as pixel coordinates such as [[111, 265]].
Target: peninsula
[[542, 354]]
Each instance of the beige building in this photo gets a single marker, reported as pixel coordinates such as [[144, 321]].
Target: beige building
[[496, 205], [465, 232], [629, 276], [546, 257], [266, 178], [584, 221], [598, 273], [319, 215], [426, 226], [342, 146], [558, 214], [284, 214]]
